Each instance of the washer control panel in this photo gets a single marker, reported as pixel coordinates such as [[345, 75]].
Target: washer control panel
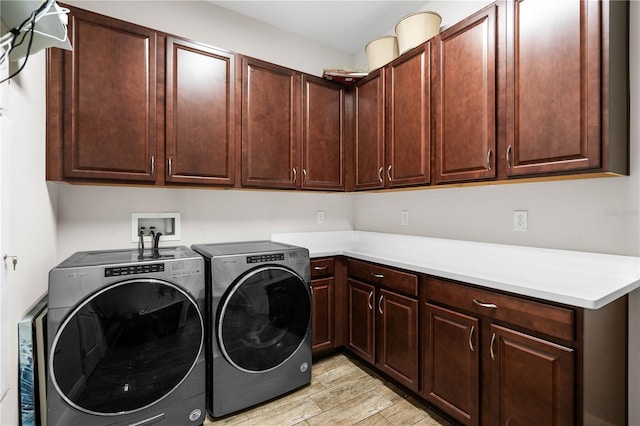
[[133, 269], [261, 258]]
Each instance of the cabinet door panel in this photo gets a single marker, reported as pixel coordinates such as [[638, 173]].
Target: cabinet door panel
[[200, 123], [531, 379], [270, 96], [398, 334], [465, 99], [369, 132], [361, 319], [554, 86], [452, 362], [323, 139], [110, 100], [408, 97], [322, 320]]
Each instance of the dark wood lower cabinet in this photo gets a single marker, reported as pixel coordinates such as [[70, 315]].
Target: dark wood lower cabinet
[[451, 354], [481, 357], [322, 310], [531, 380], [361, 320], [397, 350], [383, 325]]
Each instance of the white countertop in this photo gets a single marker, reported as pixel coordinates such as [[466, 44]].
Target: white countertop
[[587, 280]]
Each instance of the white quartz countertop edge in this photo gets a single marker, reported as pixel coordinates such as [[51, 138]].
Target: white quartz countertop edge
[[581, 279]]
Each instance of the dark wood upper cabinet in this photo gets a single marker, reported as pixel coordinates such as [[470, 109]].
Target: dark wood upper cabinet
[[108, 99], [369, 132], [554, 76], [408, 115], [465, 98], [200, 119], [270, 125], [323, 139]]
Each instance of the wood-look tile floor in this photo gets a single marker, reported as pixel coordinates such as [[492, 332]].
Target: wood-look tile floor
[[341, 392]]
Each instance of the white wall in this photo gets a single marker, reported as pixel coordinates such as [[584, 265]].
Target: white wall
[[91, 218], [32, 222]]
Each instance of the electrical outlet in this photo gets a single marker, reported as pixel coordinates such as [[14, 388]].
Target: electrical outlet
[[520, 220], [320, 217], [404, 217]]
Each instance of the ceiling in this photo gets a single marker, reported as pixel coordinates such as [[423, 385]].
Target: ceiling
[[343, 25]]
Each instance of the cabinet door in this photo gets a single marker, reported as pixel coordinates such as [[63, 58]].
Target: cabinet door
[[451, 357], [369, 132], [464, 96], [270, 108], [200, 117], [323, 135], [553, 86], [322, 314], [398, 337], [531, 379], [361, 320], [109, 100], [408, 103]]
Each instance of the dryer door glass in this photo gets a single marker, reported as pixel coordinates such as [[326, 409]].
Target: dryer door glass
[[126, 347], [264, 318]]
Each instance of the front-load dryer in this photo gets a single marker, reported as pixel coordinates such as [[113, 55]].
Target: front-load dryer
[[259, 332], [126, 339]]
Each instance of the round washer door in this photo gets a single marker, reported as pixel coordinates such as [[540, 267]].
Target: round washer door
[[264, 318], [126, 347]]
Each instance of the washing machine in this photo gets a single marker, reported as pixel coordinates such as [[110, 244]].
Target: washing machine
[[126, 339], [258, 342]]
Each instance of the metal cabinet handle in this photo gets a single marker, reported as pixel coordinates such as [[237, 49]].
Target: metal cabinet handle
[[304, 176], [319, 268], [295, 175], [369, 301], [509, 149], [493, 339], [380, 174], [377, 276], [169, 166], [380, 304], [489, 159], [485, 305], [389, 172], [153, 164], [473, 328]]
